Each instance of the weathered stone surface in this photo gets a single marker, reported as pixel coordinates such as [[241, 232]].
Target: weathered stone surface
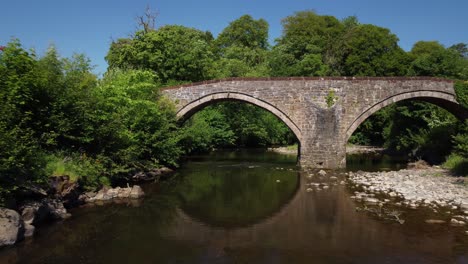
[[109, 194], [301, 103], [11, 227]]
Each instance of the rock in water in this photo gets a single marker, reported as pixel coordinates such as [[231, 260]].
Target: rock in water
[[435, 221], [322, 172], [136, 192], [11, 227], [29, 230]]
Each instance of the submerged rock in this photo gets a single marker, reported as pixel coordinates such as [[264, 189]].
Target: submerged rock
[[435, 221], [11, 227], [29, 230]]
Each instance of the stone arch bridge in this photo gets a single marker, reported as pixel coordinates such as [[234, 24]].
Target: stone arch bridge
[[322, 112]]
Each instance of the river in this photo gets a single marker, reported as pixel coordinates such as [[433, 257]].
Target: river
[[242, 207]]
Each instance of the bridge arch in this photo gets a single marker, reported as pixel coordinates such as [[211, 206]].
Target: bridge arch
[[192, 107], [441, 99]]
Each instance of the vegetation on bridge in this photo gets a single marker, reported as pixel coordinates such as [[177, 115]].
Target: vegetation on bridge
[[56, 115]]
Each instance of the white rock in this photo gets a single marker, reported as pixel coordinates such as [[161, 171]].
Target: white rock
[[11, 227], [371, 200], [456, 222]]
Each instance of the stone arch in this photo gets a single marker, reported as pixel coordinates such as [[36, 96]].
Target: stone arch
[[442, 99], [192, 107]]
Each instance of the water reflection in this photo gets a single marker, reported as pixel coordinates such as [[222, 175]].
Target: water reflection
[[228, 210]]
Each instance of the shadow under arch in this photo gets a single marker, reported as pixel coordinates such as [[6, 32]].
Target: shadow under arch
[[191, 108], [441, 99], [267, 216]]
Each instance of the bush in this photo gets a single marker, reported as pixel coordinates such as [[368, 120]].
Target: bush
[[457, 164]]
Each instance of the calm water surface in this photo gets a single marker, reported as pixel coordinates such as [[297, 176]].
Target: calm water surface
[[241, 207]]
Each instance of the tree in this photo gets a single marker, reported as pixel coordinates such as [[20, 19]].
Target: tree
[[245, 32], [373, 51], [172, 52], [430, 58], [302, 48], [242, 48]]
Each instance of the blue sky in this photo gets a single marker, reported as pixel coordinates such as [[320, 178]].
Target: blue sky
[[86, 26]]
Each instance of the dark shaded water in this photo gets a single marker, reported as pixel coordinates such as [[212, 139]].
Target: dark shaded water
[[240, 207]]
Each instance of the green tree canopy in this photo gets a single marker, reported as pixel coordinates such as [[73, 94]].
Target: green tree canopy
[[173, 52], [245, 32]]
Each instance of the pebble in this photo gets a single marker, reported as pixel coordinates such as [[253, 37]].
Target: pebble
[[415, 187]]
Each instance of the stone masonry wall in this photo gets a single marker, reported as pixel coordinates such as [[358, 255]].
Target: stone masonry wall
[[301, 103]]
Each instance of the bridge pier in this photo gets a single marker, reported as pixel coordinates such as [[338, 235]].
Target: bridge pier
[[320, 156]]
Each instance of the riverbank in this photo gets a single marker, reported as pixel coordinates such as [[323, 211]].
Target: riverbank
[[430, 187], [51, 202], [350, 149]]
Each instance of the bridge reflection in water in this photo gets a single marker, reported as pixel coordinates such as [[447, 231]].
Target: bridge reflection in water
[[315, 225]]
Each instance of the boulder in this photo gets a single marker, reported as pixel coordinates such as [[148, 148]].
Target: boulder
[[322, 173], [11, 227], [34, 212], [56, 209], [136, 192]]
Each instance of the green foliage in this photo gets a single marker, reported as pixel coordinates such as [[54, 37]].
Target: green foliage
[[107, 128], [457, 164], [171, 52], [461, 90], [21, 159], [369, 50], [430, 58], [331, 98], [245, 32], [230, 124], [207, 130]]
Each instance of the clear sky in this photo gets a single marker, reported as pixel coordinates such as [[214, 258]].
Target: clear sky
[[86, 26]]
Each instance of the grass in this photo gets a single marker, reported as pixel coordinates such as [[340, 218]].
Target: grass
[[457, 164], [60, 166], [292, 147]]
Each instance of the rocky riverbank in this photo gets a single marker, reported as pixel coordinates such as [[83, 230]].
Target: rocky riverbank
[[50, 203], [430, 187], [351, 149]]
